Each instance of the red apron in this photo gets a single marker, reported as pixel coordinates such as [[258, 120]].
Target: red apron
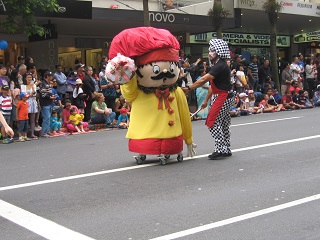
[[216, 105]]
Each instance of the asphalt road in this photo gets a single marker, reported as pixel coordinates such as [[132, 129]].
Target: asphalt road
[[89, 186]]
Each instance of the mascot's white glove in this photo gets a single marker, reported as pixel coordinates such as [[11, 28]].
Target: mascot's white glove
[[119, 69], [191, 151]]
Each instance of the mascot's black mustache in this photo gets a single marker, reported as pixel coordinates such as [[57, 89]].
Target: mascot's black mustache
[[163, 75]]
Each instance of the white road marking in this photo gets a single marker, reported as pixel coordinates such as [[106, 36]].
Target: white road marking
[[273, 120], [237, 219], [41, 226], [146, 165], [53, 231]]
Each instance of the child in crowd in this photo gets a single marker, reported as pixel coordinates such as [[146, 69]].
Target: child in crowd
[[71, 84], [55, 125], [241, 79], [272, 101], [76, 119], [234, 110], [244, 104], [288, 102], [79, 96], [15, 94], [23, 118], [265, 106], [6, 107], [123, 119], [252, 103]]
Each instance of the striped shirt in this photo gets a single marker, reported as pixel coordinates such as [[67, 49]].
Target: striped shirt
[[6, 105], [254, 70]]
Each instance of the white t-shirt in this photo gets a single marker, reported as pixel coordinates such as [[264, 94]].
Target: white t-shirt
[[75, 94], [244, 103], [240, 74], [294, 74]]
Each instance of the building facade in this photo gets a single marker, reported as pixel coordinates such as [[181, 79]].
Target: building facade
[[83, 30]]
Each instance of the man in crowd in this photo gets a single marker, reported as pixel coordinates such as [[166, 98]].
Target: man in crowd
[[61, 82], [253, 73], [21, 60], [264, 73], [46, 99]]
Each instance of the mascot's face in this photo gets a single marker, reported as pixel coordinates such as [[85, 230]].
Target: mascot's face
[[157, 74]]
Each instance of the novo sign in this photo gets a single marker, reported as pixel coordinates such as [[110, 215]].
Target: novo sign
[[242, 39], [162, 17]]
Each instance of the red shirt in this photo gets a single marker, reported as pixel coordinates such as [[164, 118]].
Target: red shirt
[[22, 108], [286, 99], [292, 88]]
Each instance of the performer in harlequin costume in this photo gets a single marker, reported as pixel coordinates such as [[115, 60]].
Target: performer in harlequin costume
[[160, 117], [218, 120]]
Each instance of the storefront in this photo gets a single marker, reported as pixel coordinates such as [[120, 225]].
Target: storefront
[[308, 43], [244, 44]]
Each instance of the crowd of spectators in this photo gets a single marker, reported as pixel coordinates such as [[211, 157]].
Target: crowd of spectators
[[256, 92], [40, 103]]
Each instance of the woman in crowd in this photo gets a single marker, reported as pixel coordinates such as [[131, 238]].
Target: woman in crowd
[[201, 94], [100, 113], [286, 78], [31, 89]]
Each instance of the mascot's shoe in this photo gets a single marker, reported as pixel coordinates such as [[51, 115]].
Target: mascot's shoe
[[219, 156]]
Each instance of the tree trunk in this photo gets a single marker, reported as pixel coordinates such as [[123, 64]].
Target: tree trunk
[[273, 55], [146, 20], [218, 26]]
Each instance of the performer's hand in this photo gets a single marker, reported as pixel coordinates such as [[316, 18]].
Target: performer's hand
[[204, 104], [120, 69], [191, 151], [185, 90]]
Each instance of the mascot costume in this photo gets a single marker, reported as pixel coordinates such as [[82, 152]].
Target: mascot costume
[[144, 61]]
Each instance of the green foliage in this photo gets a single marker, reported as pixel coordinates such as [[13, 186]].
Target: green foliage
[[217, 13], [272, 8], [26, 10]]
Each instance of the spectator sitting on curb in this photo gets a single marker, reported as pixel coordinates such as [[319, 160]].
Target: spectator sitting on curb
[[65, 115], [288, 102], [100, 113], [272, 101], [252, 103], [304, 99], [316, 97], [266, 107], [123, 119]]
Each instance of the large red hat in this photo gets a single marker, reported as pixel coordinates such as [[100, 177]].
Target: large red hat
[[145, 45]]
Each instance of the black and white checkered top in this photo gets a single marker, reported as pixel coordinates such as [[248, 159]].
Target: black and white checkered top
[[220, 47]]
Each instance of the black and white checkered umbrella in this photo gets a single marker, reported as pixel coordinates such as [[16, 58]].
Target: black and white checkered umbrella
[[220, 47]]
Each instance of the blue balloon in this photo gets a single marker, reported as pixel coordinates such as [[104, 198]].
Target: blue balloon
[[3, 45]]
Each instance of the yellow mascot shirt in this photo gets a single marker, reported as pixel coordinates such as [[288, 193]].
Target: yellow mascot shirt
[[147, 121]]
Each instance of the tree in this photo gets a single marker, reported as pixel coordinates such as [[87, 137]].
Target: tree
[[217, 14], [26, 9], [146, 20], [272, 8]]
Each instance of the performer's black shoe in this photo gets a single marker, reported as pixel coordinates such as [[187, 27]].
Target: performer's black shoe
[[219, 156]]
